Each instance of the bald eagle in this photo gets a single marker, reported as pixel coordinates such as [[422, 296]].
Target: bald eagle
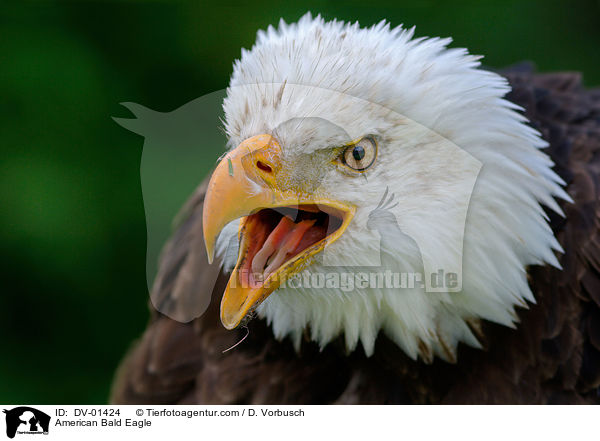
[[472, 196]]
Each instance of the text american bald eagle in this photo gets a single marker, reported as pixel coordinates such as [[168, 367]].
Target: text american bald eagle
[[371, 149]]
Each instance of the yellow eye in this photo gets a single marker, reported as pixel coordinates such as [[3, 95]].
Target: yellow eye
[[360, 156]]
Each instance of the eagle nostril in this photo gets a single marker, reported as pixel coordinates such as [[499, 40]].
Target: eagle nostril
[[264, 167]]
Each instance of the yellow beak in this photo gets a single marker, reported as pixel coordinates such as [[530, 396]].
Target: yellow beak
[[244, 185]]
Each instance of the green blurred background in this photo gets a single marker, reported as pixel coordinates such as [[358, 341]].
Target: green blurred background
[[72, 224]]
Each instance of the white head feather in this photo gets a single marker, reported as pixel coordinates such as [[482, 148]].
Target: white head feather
[[411, 93]]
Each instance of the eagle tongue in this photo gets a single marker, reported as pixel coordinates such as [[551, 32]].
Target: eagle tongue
[[274, 240], [291, 242], [282, 240]]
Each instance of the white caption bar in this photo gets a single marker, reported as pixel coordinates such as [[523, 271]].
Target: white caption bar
[[24, 422]]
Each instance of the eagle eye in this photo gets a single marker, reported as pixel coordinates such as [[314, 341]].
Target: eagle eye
[[360, 155]]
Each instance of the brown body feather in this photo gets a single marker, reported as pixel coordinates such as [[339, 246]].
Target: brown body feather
[[552, 357]]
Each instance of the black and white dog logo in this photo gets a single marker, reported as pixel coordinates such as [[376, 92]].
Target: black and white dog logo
[[26, 420]]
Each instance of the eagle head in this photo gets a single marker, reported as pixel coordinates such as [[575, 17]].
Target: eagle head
[[376, 182]]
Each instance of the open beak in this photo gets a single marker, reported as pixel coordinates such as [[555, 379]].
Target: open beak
[[280, 230]]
